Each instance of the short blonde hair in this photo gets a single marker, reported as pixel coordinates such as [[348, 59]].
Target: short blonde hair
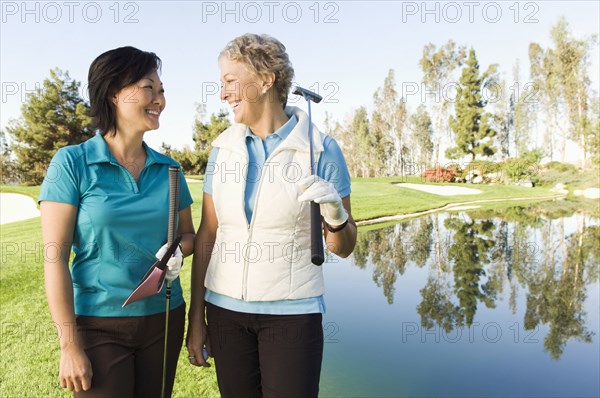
[[263, 54]]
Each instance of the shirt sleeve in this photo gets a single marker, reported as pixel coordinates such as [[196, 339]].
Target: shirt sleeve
[[185, 197], [61, 183], [210, 171], [332, 167]]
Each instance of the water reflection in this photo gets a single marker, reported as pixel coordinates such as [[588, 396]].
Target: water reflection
[[478, 257]]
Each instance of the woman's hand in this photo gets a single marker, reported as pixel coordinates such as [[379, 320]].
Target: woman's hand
[[75, 372], [196, 341], [315, 189]]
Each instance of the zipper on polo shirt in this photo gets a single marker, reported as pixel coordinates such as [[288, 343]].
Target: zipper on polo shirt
[[128, 175]]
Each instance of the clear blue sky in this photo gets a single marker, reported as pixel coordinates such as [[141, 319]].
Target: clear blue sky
[[341, 49]]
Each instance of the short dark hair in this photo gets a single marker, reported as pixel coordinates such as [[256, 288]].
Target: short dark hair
[[109, 73]]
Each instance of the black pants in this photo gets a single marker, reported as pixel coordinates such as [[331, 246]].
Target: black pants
[[127, 354], [266, 355]]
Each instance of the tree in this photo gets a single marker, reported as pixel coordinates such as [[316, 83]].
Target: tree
[[53, 116], [364, 147], [543, 74], [572, 57], [438, 70], [206, 133], [422, 132], [521, 112], [391, 114], [186, 158], [470, 251], [561, 74], [472, 124], [594, 136], [379, 146], [502, 118], [8, 167]]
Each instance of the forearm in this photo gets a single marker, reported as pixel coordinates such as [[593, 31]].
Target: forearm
[[342, 242], [187, 243], [59, 293], [203, 247]]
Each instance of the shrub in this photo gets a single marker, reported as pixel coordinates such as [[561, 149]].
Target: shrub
[[519, 169], [561, 167], [441, 174]]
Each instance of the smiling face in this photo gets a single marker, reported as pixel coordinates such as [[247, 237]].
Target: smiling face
[[243, 90], [138, 106]]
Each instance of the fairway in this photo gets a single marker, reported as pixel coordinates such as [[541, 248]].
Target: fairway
[[30, 354]]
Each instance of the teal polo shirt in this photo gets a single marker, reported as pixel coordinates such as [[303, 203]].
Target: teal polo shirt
[[120, 225]]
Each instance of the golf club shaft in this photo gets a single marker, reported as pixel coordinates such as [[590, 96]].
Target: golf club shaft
[[172, 232], [316, 227]]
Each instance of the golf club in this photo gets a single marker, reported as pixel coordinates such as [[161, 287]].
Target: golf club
[[316, 226], [172, 232]]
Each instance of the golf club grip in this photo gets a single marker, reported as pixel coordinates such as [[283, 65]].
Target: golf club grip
[[173, 202], [316, 235]]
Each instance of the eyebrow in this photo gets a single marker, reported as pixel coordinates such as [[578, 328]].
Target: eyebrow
[[161, 83]]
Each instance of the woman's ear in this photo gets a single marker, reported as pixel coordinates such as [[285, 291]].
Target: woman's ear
[[268, 79]]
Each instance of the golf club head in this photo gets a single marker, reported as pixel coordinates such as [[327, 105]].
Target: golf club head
[[154, 279], [150, 285], [307, 94]]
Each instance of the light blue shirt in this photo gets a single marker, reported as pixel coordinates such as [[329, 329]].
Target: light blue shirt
[[331, 167], [120, 225]]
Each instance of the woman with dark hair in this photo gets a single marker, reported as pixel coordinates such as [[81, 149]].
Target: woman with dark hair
[[107, 199], [257, 300]]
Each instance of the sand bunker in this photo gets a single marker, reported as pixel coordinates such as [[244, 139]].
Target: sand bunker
[[443, 190], [17, 207]]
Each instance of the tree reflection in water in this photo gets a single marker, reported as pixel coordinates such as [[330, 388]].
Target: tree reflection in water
[[473, 257]]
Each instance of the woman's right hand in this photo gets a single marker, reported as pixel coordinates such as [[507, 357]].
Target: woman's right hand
[[196, 341], [75, 371]]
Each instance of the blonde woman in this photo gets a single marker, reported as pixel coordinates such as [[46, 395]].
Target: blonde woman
[[257, 300]]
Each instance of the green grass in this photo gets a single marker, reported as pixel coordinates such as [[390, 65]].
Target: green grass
[[29, 352], [379, 197]]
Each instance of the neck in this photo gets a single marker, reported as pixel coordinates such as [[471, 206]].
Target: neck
[[269, 121], [125, 147]]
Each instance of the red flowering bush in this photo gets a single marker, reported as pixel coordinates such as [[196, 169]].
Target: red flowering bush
[[441, 174]]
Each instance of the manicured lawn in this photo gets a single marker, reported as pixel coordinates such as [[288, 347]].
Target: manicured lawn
[[378, 197], [29, 347], [29, 351]]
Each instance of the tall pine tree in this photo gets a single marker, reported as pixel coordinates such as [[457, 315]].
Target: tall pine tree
[[472, 124], [54, 116]]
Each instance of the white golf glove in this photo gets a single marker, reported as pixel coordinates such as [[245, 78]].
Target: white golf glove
[[323, 192], [174, 263]]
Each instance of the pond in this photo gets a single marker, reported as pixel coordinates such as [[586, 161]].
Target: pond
[[480, 303]]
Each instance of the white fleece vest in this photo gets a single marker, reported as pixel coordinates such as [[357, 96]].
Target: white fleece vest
[[270, 258]]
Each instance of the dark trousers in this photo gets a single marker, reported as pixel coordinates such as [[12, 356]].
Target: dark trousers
[[127, 353], [266, 355]]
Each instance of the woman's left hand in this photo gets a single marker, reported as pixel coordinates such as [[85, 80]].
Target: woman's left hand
[[174, 263], [315, 189]]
